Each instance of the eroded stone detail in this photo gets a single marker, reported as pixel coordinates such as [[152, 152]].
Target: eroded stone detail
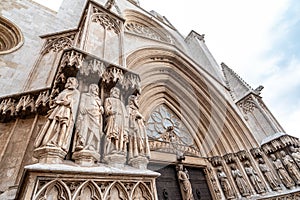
[[225, 185], [57, 131], [116, 130], [282, 173], [254, 178], [138, 139], [184, 182], [89, 124], [240, 181], [268, 174]]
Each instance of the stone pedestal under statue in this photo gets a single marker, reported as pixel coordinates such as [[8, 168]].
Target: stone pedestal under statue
[[70, 181]]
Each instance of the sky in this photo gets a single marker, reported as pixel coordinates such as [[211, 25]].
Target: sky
[[258, 39]]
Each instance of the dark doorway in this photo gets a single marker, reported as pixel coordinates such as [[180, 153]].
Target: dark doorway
[[168, 187]]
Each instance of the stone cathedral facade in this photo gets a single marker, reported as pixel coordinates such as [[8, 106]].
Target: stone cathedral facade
[[103, 100]]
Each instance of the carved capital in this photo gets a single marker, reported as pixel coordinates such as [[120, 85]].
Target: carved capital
[[242, 155], [229, 158]]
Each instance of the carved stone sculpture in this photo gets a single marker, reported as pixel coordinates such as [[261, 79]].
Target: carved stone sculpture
[[240, 181], [291, 166], [116, 128], [89, 124], [57, 131], [254, 179], [269, 176], [138, 140], [184, 182], [283, 174], [295, 154], [225, 185]]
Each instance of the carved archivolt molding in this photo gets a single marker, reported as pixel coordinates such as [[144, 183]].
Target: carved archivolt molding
[[140, 24], [11, 37]]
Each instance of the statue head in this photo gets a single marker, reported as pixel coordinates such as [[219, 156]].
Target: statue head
[[115, 92], [273, 157], [72, 83], [261, 161], [282, 153], [94, 89]]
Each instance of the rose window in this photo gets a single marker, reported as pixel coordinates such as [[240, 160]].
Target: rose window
[[162, 120]]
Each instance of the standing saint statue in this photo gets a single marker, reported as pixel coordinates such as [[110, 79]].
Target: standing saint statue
[[185, 184], [116, 128], [138, 140], [240, 181], [254, 179], [295, 154], [283, 174], [89, 122], [57, 131], [291, 166], [225, 185], [271, 179]]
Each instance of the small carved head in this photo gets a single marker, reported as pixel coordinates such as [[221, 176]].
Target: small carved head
[[72, 83], [115, 92], [94, 89], [282, 153], [273, 157]]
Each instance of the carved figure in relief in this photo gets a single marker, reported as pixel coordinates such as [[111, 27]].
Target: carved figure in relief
[[295, 154], [116, 128], [225, 185], [254, 178], [57, 131], [291, 166], [240, 181], [184, 182], [89, 122], [138, 140], [283, 174], [271, 179]]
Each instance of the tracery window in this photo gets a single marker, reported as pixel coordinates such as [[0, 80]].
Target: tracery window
[[162, 120], [10, 36]]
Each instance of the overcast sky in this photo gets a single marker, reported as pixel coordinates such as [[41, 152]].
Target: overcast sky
[[258, 39]]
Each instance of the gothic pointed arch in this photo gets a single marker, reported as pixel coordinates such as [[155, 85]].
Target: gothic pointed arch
[[141, 192], [55, 189], [116, 191], [169, 76], [88, 190]]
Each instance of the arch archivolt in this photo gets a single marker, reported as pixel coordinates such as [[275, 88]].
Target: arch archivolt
[[169, 78]]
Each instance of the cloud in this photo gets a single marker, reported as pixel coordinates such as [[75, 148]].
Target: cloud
[[255, 39]]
